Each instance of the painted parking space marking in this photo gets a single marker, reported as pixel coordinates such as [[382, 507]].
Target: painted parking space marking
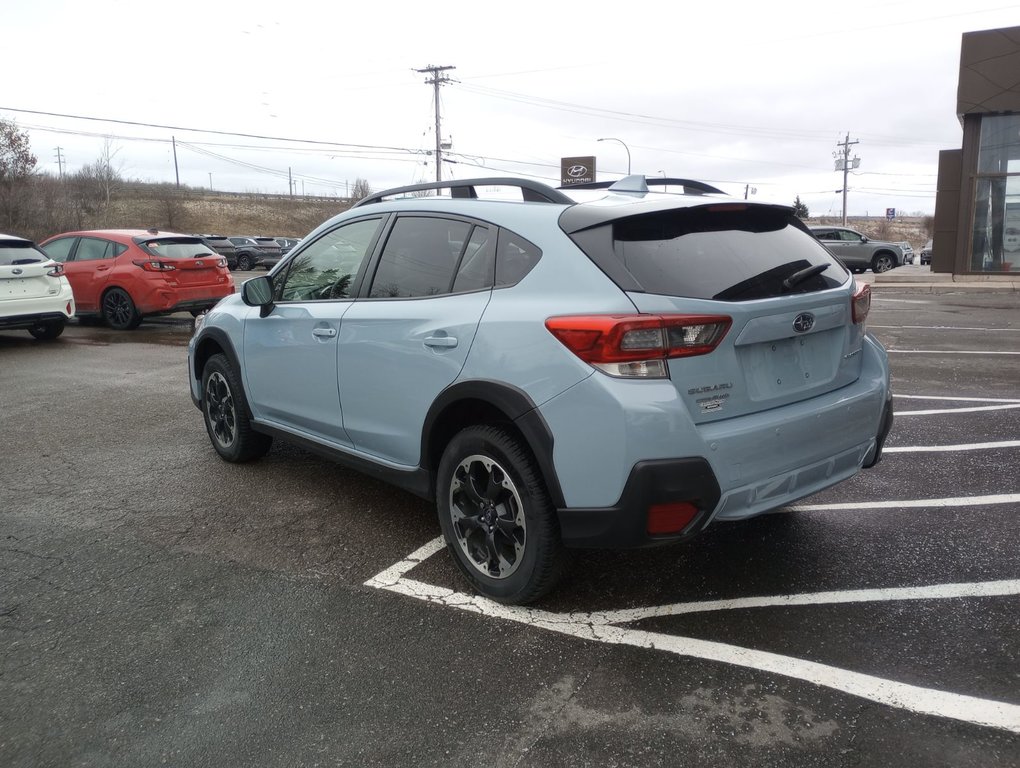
[[604, 627], [947, 352], [950, 448], [614, 626], [959, 501], [1001, 404], [943, 328]]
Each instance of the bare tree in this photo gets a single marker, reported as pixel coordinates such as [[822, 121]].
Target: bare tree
[[361, 189], [171, 205], [16, 165]]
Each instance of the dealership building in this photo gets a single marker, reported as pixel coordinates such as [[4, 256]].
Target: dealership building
[[977, 210]]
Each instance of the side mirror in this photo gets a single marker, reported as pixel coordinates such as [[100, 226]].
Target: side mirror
[[864, 238], [258, 292]]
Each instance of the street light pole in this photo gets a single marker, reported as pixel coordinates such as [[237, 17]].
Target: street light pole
[[610, 138]]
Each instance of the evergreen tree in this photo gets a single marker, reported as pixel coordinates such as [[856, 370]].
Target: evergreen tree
[[799, 209]]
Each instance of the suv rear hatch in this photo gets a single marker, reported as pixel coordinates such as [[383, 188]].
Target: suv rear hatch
[[25, 271], [187, 260], [792, 332]]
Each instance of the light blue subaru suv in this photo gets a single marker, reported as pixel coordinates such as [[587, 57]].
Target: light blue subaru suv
[[609, 367]]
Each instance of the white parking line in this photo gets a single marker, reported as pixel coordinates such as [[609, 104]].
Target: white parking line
[[944, 328], [950, 448], [1005, 404], [602, 627], [959, 501], [947, 352]]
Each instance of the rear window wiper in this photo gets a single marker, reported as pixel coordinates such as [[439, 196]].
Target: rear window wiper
[[804, 274]]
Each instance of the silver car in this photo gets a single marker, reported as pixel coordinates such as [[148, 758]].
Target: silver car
[[858, 251]]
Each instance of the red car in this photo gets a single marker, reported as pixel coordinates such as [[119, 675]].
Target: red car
[[123, 275]]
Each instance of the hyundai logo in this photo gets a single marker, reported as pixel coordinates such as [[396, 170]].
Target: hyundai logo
[[804, 322], [577, 171]]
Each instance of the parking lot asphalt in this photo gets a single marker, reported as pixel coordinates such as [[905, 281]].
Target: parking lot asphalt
[[159, 606]]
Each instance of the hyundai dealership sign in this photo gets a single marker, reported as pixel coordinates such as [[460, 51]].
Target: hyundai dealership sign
[[577, 170]]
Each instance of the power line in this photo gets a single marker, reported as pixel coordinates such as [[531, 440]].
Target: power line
[[202, 130]]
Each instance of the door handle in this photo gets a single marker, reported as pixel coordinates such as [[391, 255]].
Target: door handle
[[446, 342], [328, 333]]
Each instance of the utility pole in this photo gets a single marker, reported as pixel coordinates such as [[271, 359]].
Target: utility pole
[[844, 163], [290, 182], [177, 173], [60, 163], [437, 80]]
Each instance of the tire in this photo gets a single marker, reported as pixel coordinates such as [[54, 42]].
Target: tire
[[244, 262], [498, 521], [119, 310], [47, 331], [225, 412], [882, 262]]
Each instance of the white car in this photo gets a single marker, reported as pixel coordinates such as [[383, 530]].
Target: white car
[[34, 294]]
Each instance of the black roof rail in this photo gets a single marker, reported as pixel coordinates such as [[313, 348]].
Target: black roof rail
[[531, 191], [690, 185]]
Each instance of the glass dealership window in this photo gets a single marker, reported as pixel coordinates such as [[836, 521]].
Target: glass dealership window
[[995, 245]]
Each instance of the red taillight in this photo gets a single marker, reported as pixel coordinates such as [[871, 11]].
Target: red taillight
[[56, 271], [154, 265], [670, 518], [638, 345], [860, 304]]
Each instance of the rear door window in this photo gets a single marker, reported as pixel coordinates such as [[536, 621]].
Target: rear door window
[[420, 257], [726, 252]]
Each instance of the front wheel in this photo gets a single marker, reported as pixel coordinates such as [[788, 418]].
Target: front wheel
[[120, 311], [882, 262], [225, 410], [499, 523], [47, 331]]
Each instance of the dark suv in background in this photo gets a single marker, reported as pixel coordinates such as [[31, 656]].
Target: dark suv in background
[[256, 251], [222, 245]]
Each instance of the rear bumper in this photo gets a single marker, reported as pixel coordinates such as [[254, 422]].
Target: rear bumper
[[182, 299], [28, 312], [31, 321], [624, 525]]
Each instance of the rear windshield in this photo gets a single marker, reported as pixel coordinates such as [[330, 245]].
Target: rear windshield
[[727, 252], [13, 253], [177, 247]]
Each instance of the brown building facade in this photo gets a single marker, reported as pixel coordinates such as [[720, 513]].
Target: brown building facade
[[977, 209]]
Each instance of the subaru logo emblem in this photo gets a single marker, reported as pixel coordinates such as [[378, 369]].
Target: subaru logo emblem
[[16, 271], [804, 322], [577, 171], [199, 264]]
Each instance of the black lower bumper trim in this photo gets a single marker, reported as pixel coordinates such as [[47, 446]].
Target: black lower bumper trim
[[624, 525]]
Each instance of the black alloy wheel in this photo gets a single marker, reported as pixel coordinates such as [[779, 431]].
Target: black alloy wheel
[[119, 310], [499, 523], [225, 411], [244, 262]]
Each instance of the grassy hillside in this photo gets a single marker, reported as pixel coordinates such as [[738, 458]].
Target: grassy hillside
[[57, 208]]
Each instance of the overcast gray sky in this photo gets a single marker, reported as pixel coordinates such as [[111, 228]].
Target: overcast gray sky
[[737, 93]]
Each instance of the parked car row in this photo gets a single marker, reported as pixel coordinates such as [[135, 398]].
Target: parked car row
[[121, 276]]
